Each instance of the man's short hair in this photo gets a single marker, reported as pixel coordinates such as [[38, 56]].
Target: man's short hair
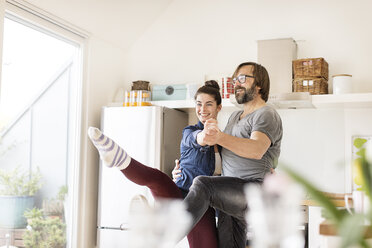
[[261, 78]]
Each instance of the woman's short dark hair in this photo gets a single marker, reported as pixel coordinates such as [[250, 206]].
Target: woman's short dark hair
[[212, 88], [261, 78]]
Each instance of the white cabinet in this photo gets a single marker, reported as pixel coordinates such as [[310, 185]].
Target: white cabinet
[[315, 218]]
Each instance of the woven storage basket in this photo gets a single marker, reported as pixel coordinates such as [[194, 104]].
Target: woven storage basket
[[316, 86], [315, 67]]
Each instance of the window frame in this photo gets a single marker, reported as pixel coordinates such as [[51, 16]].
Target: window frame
[[43, 21]]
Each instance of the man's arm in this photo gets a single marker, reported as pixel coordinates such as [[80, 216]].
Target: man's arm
[[254, 148]]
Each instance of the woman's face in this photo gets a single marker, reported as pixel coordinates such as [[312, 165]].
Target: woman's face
[[206, 107]]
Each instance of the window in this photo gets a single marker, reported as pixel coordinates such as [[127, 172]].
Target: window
[[39, 118]]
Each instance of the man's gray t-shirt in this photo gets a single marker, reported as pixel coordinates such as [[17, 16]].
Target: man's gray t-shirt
[[265, 120]]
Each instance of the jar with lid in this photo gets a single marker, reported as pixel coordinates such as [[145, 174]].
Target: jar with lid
[[342, 84], [143, 98], [133, 98], [126, 99]]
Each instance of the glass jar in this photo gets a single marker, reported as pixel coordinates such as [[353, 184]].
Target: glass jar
[[126, 99], [133, 98]]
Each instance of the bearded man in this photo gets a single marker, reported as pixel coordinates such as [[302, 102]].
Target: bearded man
[[250, 150]]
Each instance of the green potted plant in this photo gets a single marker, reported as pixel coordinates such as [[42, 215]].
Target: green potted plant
[[32, 214], [17, 190], [55, 207], [350, 227], [44, 231]]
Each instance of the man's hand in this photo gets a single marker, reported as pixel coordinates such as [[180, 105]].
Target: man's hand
[[212, 132], [211, 127], [208, 130], [176, 172]]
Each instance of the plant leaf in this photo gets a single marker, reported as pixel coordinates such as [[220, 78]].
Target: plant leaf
[[366, 173], [359, 142], [352, 231]]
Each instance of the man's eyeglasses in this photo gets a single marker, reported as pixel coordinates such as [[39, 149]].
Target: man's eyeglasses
[[241, 78]]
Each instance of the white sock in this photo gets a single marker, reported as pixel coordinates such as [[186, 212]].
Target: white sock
[[111, 154]]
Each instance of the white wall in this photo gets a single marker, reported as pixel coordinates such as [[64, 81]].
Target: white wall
[[104, 76], [116, 22], [315, 144], [195, 38]]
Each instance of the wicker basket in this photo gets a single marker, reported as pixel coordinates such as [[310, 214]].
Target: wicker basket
[[315, 67], [316, 86]]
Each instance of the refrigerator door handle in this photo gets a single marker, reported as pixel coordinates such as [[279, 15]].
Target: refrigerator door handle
[[122, 227]]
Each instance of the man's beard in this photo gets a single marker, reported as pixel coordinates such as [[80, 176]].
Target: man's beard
[[248, 94]]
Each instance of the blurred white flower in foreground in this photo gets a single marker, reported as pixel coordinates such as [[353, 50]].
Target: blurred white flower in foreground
[[274, 213], [161, 226]]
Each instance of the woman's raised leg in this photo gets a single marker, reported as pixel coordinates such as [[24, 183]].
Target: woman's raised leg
[[203, 235]]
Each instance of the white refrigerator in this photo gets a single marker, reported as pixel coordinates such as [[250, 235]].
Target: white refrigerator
[[152, 136]]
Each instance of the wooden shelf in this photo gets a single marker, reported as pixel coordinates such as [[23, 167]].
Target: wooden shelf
[[336, 198], [328, 229], [15, 237]]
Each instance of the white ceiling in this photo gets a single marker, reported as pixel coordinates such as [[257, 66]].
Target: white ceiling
[[120, 22]]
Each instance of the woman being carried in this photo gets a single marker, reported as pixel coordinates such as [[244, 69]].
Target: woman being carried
[[196, 159]]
